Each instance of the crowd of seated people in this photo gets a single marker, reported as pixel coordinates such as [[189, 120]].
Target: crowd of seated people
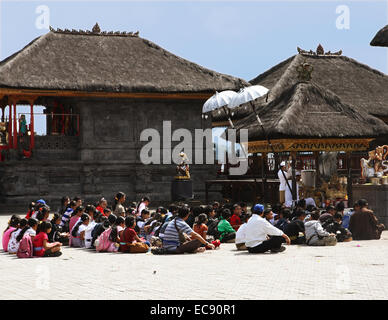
[[182, 229]]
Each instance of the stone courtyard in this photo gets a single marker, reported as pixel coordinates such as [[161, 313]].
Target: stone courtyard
[[354, 270]]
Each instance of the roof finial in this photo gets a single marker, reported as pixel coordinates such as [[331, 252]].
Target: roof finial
[[96, 28], [320, 50], [304, 71]]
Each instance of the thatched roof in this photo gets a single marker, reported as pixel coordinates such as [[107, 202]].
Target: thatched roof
[[306, 110], [108, 62], [355, 83], [381, 38]]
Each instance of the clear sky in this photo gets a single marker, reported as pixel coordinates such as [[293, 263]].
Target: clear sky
[[240, 38]]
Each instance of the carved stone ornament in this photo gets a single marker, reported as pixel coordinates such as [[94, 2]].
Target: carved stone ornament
[[319, 52], [96, 31]]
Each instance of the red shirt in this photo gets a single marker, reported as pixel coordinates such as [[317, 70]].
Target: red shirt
[[99, 208], [235, 221], [38, 243], [201, 229]]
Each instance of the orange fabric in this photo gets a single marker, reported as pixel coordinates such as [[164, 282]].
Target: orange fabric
[[201, 229]]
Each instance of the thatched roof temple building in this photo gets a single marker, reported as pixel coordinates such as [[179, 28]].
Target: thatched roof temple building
[[100, 90]]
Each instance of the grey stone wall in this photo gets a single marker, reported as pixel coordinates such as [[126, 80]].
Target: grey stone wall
[[107, 157]]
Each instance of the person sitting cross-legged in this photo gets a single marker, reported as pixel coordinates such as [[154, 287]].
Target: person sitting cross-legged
[[257, 231], [316, 235], [171, 239], [295, 229]]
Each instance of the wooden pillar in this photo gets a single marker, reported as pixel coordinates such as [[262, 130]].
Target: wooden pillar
[[10, 137], [15, 128], [226, 167], [263, 175], [32, 136], [350, 183], [317, 175], [293, 166], [2, 113]]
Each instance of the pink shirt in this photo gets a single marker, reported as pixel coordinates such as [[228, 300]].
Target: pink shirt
[[6, 236]]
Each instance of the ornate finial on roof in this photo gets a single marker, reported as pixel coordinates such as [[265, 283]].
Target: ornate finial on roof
[[96, 28], [304, 71], [319, 52]]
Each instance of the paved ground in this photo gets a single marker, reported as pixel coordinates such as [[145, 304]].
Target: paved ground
[[355, 270]]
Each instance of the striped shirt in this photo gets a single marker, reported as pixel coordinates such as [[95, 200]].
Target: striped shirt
[[171, 235], [66, 216]]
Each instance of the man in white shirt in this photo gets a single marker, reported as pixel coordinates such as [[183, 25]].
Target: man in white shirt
[[283, 182], [257, 231]]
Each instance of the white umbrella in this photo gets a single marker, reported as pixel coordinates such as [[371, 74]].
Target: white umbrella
[[220, 100], [247, 94]]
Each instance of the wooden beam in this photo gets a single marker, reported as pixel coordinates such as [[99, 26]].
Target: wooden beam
[[97, 94]]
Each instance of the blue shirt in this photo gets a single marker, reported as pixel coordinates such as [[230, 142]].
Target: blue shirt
[[346, 219], [171, 235]]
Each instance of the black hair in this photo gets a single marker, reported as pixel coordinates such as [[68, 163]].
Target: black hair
[[208, 209], [129, 221], [225, 213], [63, 200], [276, 208], [337, 216], [72, 203], [31, 223], [113, 235], [362, 203], [161, 210], [144, 211], [106, 210], [90, 208], [13, 222], [340, 206], [329, 207], [286, 213], [42, 212], [245, 217], [112, 219], [23, 222], [301, 203], [236, 205], [197, 211], [173, 208], [44, 226], [83, 218], [315, 215], [79, 209], [201, 219], [243, 204], [76, 198], [183, 211], [300, 212], [311, 208], [118, 196], [55, 218]]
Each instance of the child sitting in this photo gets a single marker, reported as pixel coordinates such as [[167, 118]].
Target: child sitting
[[201, 228], [227, 233], [56, 234], [140, 223], [129, 240], [316, 235], [42, 247], [13, 244], [30, 229], [67, 215], [12, 226], [78, 232], [342, 234]]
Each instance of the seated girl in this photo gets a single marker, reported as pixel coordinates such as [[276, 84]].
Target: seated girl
[[42, 247], [109, 240], [30, 229], [13, 224], [56, 234], [227, 233], [129, 240], [13, 244], [78, 232], [201, 228]]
